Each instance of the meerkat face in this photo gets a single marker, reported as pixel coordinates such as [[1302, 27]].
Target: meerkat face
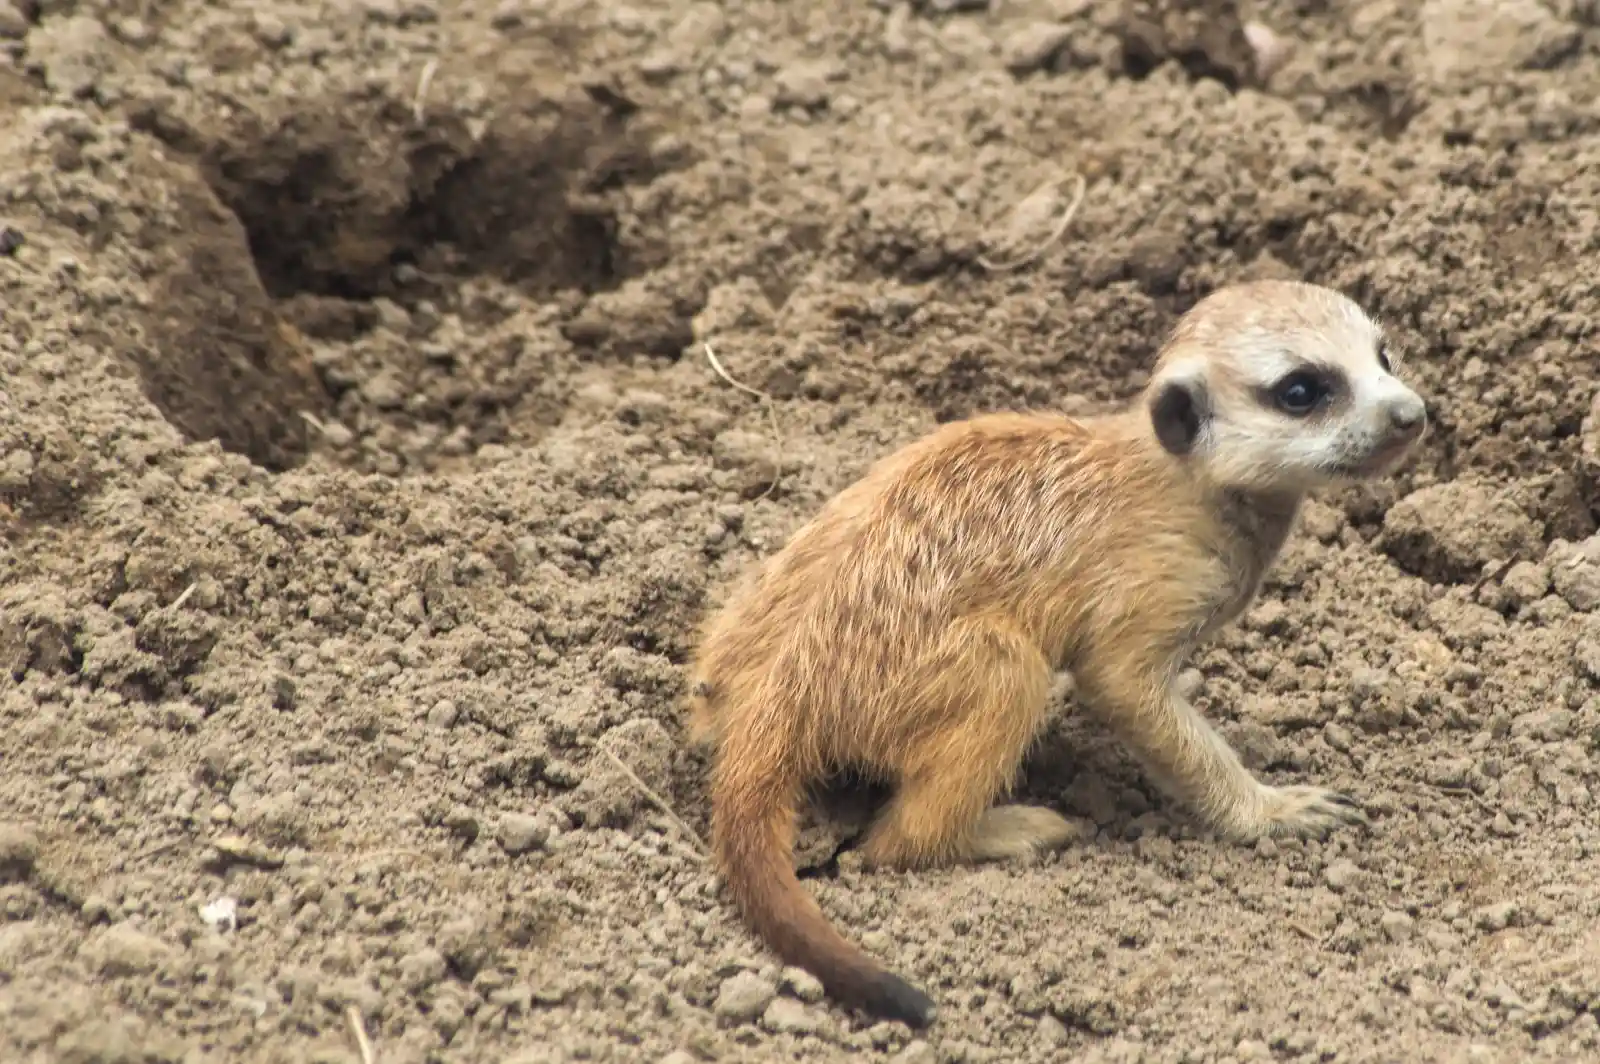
[[1282, 386]]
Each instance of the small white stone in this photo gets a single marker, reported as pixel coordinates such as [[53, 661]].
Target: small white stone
[[221, 915]]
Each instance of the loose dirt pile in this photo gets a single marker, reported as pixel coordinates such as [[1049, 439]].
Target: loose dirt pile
[[362, 478]]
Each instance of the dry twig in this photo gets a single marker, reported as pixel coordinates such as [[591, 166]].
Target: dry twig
[[772, 417], [1049, 242], [363, 1043], [659, 802], [1303, 931], [419, 101]]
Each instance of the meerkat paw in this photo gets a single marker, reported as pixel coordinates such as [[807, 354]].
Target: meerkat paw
[[1304, 812], [1010, 831]]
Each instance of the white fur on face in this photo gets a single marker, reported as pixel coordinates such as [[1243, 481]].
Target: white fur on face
[[1248, 442]]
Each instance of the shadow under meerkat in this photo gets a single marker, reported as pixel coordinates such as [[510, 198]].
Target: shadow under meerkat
[[914, 628]]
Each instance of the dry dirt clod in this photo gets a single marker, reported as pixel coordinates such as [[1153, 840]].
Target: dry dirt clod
[[1341, 875], [123, 950], [1033, 46], [917, 1052], [1496, 917], [519, 833], [1272, 50], [787, 1016], [19, 849], [743, 997], [1397, 926], [1574, 572], [237, 849], [14, 25], [1448, 532]]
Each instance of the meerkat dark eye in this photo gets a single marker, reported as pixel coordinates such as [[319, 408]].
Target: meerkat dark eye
[[1299, 393], [1383, 356]]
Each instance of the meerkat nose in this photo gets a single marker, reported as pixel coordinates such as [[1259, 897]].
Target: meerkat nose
[[1407, 414]]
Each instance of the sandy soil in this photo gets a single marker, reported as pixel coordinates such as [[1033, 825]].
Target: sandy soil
[[361, 479]]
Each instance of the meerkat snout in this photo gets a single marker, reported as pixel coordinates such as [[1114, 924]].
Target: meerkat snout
[[1408, 415]]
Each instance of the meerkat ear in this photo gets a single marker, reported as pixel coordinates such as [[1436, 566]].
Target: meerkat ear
[[1177, 411]]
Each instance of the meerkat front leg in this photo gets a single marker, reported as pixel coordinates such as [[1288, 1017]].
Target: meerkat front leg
[[1139, 699], [981, 695]]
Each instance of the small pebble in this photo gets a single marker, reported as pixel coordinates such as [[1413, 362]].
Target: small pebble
[[422, 970], [916, 1052], [1547, 725], [1338, 737], [1397, 926], [1575, 572], [1340, 875], [1271, 50], [519, 833], [788, 1016], [1051, 1031], [803, 85], [443, 715], [383, 391], [743, 997], [75, 53], [802, 984], [13, 23], [236, 849], [19, 849], [221, 915], [562, 774], [1034, 46], [1495, 917], [336, 434]]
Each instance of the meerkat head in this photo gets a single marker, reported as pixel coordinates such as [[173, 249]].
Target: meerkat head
[[1280, 385]]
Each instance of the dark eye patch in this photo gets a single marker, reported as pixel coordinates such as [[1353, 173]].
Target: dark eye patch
[[1302, 392], [1383, 356]]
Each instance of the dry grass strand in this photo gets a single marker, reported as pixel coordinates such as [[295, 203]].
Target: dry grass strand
[[1050, 241], [656, 800], [420, 100], [772, 416], [359, 1029]]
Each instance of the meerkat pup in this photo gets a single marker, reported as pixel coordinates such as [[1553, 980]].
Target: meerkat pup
[[911, 630]]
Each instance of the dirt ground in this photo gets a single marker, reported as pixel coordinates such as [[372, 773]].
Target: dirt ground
[[362, 478]]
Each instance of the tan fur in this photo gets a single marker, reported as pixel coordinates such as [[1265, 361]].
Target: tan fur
[[912, 628]]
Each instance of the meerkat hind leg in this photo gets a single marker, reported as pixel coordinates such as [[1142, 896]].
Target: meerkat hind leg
[[991, 687], [1196, 764]]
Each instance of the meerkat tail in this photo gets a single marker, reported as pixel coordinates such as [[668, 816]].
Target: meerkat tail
[[753, 838]]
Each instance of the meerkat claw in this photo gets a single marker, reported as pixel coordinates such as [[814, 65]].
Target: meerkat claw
[[1307, 812]]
